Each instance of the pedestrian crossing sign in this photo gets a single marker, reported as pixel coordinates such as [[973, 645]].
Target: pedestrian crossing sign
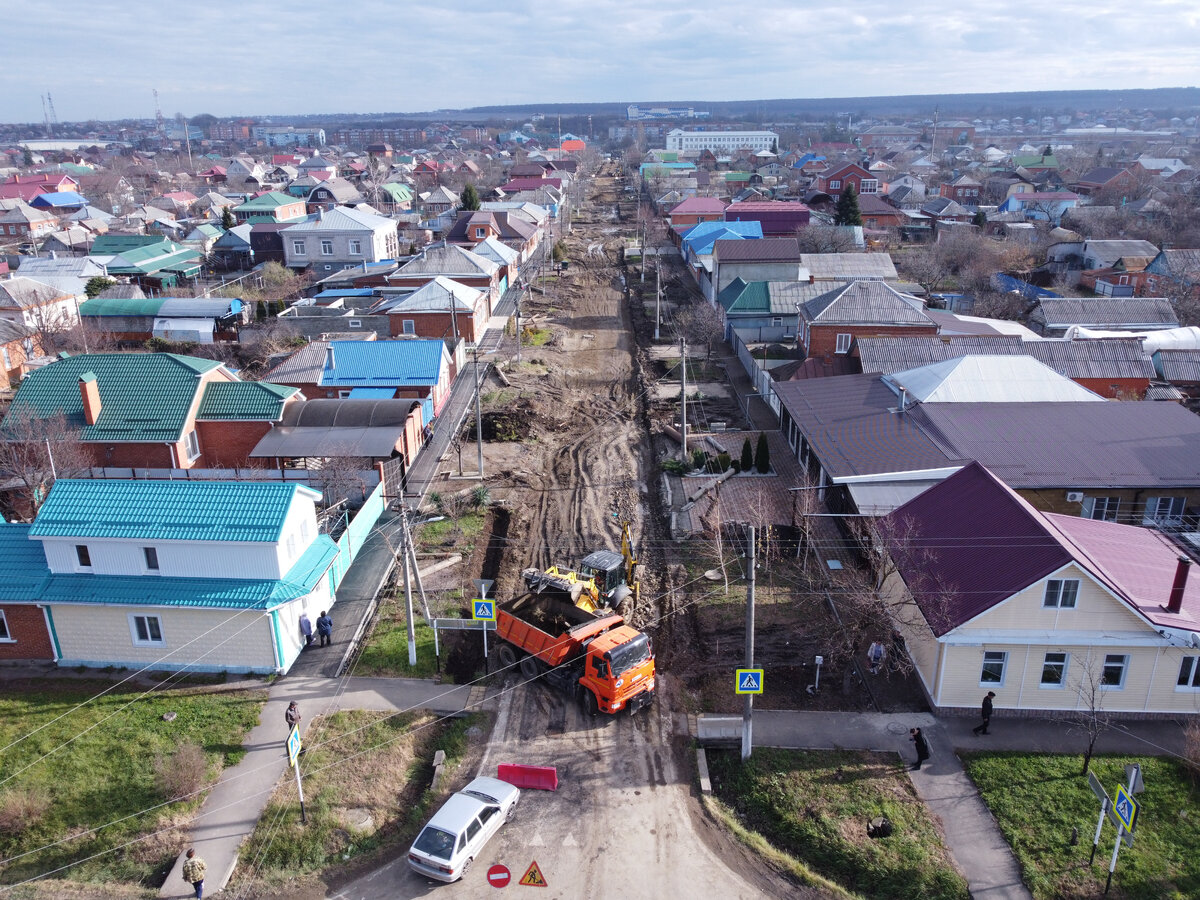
[[293, 745], [749, 681], [484, 610], [1126, 808], [533, 877]]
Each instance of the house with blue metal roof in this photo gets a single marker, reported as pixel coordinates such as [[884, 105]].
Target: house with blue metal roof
[[202, 576]]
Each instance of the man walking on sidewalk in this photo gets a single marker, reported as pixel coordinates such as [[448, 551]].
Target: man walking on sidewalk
[[982, 727], [193, 872], [922, 746]]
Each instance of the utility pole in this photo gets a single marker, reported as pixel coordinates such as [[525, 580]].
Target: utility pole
[[657, 298], [478, 414], [683, 398], [520, 294], [748, 709], [412, 630]]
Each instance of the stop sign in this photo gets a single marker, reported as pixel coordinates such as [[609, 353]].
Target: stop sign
[[498, 876]]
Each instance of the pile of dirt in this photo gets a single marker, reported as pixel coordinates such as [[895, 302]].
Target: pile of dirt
[[511, 424]]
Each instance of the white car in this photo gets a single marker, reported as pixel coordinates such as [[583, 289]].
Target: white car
[[446, 847]]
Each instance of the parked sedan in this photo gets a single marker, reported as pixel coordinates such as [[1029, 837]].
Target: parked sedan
[[446, 847]]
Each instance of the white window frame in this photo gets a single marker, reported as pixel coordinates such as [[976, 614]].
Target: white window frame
[[1189, 674], [151, 623], [150, 558], [5, 632], [291, 546], [1103, 509], [298, 248], [844, 340], [480, 233], [356, 248], [983, 669], [191, 444], [1123, 663], [869, 186], [1048, 664], [836, 184], [1161, 511], [354, 323], [408, 326], [326, 247], [1056, 593]]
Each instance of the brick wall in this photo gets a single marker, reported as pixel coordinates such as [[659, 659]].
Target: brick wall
[[823, 338], [140, 455], [227, 444], [27, 627]]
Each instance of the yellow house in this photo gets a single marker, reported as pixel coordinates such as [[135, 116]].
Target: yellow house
[[1052, 612]]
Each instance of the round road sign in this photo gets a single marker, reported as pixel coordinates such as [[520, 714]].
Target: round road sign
[[498, 876]]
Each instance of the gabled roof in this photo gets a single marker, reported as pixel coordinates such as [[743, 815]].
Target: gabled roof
[[143, 396], [244, 401], [340, 189], [1100, 175], [742, 297], [864, 302], [343, 218], [698, 206], [988, 379], [497, 252], [23, 563], [197, 510], [848, 266], [383, 363], [268, 202], [1105, 312], [448, 259], [768, 250], [700, 238], [440, 295], [26, 293]]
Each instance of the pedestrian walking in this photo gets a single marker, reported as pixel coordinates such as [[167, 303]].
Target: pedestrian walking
[[986, 712], [922, 746], [325, 628], [306, 629], [875, 655], [193, 872], [292, 715]]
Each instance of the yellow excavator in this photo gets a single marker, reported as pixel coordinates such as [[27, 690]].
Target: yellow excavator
[[605, 579]]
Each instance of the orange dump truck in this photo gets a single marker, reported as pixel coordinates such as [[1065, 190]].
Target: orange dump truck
[[592, 656]]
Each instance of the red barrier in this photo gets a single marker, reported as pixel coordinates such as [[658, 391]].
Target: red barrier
[[542, 778]]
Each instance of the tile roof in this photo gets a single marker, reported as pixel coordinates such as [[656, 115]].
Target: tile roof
[[240, 511], [196, 593], [862, 302], [244, 400], [23, 563], [143, 396]]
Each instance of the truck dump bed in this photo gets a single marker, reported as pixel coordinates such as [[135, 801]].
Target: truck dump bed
[[549, 626]]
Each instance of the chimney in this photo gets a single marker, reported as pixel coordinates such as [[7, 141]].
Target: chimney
[[329, 358], [89, 392], [1175, 603], [903, 397]]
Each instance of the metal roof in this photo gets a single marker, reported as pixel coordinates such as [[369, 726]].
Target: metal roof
[[1178, 365], [848, 266], [449, 260], [239, 511], [23, 563], [383, 363], [767, 250], [337, 428], [1103, 312], [988, 379], [143, 396], [864, 302], [244, 400]]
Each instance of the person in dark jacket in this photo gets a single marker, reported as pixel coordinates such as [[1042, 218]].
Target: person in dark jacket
[[325, 628], [986, 712], [922, 746], [292, 715]]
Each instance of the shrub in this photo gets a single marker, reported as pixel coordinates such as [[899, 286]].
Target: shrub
[[22, 808], [724, 461], [183, 772], [699, 458], [747, 460], [480, 496], [762, 456]]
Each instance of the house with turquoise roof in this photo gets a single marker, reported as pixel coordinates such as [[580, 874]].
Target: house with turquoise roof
[[199, 576], [273, 206]]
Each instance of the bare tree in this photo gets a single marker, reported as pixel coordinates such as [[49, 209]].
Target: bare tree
[[826, 239], [1089, 715], [34, 452], [700, 323]]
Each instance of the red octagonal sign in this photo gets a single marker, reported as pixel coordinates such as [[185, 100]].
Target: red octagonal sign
[[498, 876]]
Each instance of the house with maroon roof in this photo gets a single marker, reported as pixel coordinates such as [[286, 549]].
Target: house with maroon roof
[[1044, 609], [778, 218], [693, 211], [834, 180]]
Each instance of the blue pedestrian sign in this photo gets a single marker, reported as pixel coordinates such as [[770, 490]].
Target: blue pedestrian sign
[[749, 681], [293, 745], [484, 610], [1126, 808]]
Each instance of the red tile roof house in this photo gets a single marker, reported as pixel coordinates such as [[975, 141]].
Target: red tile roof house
[[693, 211], [991, 594], [778, 218], [834, 180], [767, 259]]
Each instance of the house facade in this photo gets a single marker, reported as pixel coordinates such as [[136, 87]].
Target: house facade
[[834, 180], [340, 238]]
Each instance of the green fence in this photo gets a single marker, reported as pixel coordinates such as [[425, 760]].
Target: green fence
[[356, 534]]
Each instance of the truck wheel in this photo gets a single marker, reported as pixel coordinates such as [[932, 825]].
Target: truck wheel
[[589, 703], [507, 656], [530, 668]]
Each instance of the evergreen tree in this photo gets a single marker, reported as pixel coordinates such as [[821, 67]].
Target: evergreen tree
[[980, 220], [96, 284], [227, 219], [762, 455], [747, 461], [1048, 151], [26, 157], [470, 198], [847, 207]]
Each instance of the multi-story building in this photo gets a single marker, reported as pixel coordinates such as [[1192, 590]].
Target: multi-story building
[[723, 141]]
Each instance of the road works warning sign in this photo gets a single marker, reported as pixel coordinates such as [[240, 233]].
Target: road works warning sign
[[533, 876]]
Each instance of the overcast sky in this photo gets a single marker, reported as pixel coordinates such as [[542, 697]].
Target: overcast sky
[[102, 59]]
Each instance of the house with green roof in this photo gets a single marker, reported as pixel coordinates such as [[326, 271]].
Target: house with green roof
[[121, 573], [151, 410], [147, 259], [132, 321], [273, 206]]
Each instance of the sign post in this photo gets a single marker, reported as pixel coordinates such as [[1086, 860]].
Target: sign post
[[485, 610], [293, 749], [1105, 803], [1126, 810]]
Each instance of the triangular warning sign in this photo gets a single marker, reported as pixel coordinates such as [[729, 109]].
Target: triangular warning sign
[[533, 876]]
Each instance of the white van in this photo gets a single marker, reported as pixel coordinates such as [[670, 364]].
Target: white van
[[446, 847]]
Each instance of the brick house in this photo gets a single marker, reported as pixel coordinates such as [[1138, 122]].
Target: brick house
[[18, 344], [453, 262], [26, 223], [272, 206], [963, 190], [153, 410], [830, 323], [693, 211], [834, 180], [442, 309]]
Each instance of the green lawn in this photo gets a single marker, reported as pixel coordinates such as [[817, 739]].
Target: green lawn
[[447, 532], [366, 789], [104, 774], [535, 337], [1037, 800], [814, 807], [386, 653]]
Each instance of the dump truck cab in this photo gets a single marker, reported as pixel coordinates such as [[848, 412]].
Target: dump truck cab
[[619, 671]]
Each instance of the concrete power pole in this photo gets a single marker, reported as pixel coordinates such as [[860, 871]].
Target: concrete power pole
[[683, 398], [748, 710]]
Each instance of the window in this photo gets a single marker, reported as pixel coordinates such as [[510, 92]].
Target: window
[[354, 323], [994, 663], [1163, 511], [83, 555], [298, 248], [291, 546], [1054, 670], [836, 184], [151, 558], [843, 343], [147, 630], [1061, 593], [473, 829], [1115, 666], [7, 358], [356, 248], [1189, 673], [869, 186], [485, 814], [192, 443], [327, 248], [480, 233], [5, 635], [410, 326], [1103, 508]]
